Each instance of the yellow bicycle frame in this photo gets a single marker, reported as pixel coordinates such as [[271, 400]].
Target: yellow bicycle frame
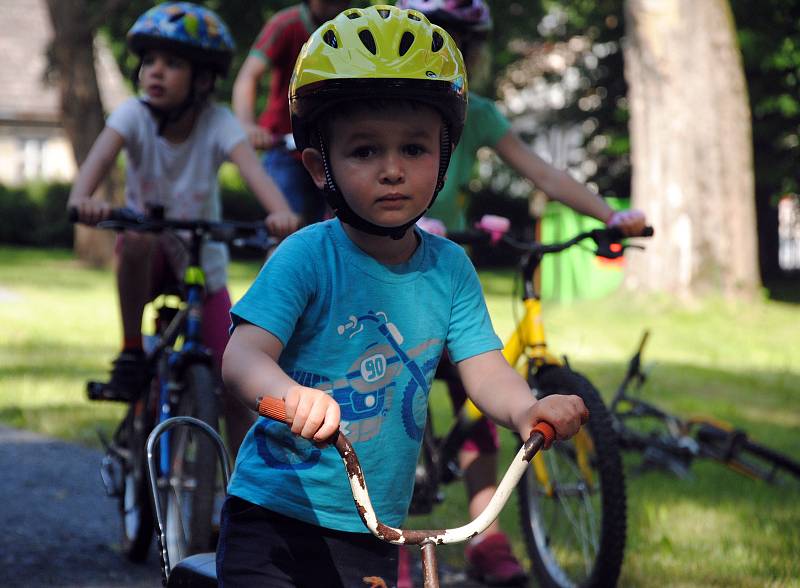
[[528, 341]]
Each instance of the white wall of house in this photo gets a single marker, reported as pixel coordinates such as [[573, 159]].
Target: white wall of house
[[33, 145]]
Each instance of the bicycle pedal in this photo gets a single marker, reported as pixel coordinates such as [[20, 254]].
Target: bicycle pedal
[[102, 391], [111, 475]]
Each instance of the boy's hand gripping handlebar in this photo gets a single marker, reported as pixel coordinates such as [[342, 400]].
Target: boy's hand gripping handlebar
[[542, 435]]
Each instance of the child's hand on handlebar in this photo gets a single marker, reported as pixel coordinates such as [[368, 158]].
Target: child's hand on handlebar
[[91, 210], [313, 414], [632, 222], [282, 223], [259, 137], [565, 413]]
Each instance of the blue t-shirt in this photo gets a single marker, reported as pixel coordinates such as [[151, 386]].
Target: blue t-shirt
[[370, 335]]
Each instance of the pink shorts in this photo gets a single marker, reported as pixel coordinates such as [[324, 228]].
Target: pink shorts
[[216, 306]]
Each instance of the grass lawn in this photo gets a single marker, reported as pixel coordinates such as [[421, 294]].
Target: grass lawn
[[738, 362]]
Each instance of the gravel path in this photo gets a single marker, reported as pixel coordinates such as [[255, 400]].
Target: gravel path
[[59, 529], [57, 526]]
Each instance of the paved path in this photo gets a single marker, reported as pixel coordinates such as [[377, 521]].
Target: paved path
[[57, 526]]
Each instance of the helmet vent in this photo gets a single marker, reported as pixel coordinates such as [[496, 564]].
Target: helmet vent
[[176, 17], [413, 16], [437, 42], [330, 38], [384, 13], [369, 41], [353, 14], [405, 43]]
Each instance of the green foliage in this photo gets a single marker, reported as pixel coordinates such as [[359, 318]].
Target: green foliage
[[35, 215], [769, 36]]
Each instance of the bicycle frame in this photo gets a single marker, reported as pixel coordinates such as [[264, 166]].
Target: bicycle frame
[[187, 322]]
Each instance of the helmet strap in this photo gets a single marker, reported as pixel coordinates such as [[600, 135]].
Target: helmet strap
[[346, 214]]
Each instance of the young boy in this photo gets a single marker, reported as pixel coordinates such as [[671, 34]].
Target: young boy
[[275, 51], [366, 306], [469, 22], [175, 138]]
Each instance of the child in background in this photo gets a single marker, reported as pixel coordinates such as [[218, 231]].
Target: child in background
[[275, 51], [175, 139], [378, 100], [469, 23]]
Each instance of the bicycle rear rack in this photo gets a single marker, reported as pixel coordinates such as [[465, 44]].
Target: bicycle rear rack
[[202, 562]]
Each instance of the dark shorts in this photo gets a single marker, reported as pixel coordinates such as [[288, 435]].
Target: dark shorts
[[291, 176], [260, 548]]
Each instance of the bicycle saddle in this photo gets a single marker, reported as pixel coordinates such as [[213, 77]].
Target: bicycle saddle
[[197, 571]]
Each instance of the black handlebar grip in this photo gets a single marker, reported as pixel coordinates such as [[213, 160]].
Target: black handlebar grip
[[648, 232]]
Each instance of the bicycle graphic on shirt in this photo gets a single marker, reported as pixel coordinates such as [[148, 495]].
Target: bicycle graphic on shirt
[[375, 366], [365, 393]]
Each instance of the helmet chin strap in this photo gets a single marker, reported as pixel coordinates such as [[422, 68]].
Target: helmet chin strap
[[346, 214]]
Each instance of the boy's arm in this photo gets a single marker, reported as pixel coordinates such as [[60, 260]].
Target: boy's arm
[[281, 220], [250, 370], [559, 185], [243, 100], [503, 395], [102, 156]]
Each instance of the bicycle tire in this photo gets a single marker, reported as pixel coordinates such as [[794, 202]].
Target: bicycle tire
[[743, 455], [190, 494], [135, 506], [565, 549]]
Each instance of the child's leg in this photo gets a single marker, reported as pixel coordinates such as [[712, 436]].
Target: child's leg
[[489, 554], [478, 455], [134, 283], [258, 547], [216, 320]]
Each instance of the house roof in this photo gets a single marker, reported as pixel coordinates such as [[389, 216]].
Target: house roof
[[25, 32]]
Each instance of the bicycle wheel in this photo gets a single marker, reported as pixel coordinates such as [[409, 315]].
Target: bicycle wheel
[[573, 517], [191, 490], [134, 503], [741, 454]]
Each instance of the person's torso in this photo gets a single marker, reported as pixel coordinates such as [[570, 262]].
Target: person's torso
[[279, 44], [181, 177], [371, 337], [485, 125]]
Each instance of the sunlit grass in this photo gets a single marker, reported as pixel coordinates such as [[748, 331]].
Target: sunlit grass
[[739, 362]]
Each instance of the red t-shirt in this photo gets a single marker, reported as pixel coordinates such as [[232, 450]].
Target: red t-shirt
[[279, 44]]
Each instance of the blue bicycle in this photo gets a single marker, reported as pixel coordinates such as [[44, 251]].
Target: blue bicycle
[[180, 381]]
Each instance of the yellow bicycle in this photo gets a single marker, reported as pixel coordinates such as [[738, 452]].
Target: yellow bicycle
[[572, 499]]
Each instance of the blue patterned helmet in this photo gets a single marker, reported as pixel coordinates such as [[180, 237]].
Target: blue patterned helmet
[[188, 30]]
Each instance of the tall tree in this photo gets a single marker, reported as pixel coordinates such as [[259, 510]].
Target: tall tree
[[691, 148], [72, 65]]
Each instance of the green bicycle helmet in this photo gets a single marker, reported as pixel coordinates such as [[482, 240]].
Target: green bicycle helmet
[[377, 53]]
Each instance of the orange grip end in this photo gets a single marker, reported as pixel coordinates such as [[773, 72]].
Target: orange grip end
[[272, 408], [546, 431]]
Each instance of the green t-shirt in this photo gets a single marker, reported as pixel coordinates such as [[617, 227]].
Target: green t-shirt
[[485, 126]]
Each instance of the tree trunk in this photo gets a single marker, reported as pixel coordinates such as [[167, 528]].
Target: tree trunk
[[691, 149], [73, 62]]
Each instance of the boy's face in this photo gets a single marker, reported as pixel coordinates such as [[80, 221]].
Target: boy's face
[[165, 78], [325, 10], [386, 161]]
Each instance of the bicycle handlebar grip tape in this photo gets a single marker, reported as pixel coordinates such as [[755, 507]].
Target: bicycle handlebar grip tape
[[272, 408]]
